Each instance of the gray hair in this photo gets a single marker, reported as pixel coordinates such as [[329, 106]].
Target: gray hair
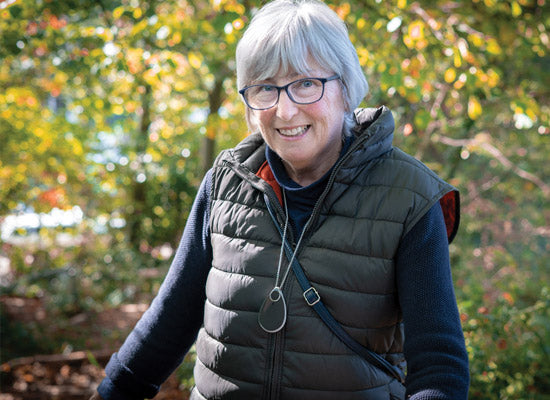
[[285, 33]]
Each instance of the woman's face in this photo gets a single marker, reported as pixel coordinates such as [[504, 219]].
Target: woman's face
[[308, 138]]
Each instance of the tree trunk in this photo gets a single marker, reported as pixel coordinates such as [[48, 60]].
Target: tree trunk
[[139, 190], [215, 100]]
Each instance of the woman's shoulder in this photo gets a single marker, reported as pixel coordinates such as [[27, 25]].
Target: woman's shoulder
[[405, 162], [399, 169], [248, 149], [408, 177]]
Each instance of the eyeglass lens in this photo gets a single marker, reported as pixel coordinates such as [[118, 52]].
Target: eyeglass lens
[[303, 91]]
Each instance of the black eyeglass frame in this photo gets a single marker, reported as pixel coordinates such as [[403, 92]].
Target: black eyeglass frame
[[285, 87]]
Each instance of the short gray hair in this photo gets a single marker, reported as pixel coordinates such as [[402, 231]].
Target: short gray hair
[[284, 33]]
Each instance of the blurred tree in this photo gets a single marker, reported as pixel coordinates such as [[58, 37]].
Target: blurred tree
[[105, 104]]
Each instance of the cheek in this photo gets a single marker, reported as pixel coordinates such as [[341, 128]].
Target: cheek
[[261, 118], [251, 121], [319, 112], [328, 115], [335, 101]]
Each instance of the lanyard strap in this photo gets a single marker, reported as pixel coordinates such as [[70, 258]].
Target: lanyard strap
[[313, 299]]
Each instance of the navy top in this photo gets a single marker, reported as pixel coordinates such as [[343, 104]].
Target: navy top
[[437, 362]]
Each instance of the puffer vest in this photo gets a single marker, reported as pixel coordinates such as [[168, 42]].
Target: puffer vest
[[375, 194]]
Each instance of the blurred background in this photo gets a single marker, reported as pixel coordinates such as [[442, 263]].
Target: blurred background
[[111, 111]]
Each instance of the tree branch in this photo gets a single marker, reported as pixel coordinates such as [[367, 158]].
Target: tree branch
[[497, 154]]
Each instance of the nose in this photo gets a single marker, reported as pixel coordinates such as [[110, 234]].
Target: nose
[[286, 108]]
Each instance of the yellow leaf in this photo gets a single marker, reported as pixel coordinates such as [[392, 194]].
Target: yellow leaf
[[420, 44], [158, 210], [450, 75], [402, 4], [238, 24], [493, 78], [474, 108], [87, 31], [531, 114], [194, 59], [457, 60], [363, 55], [182, 85], [413, 98], [139, 27], [151, 77], [130, 106], [476, 39], [235, 7], [76, 148], [416, 30], [493, 47], [343, 10], [231, 38], [176, 38], [117, 12], [216, 4], [459, 84], [378, 25], [516, 9]]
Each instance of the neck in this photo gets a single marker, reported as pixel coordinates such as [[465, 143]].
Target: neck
[[305, 176]]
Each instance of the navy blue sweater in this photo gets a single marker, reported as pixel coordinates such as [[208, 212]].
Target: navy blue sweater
[[437, 361]]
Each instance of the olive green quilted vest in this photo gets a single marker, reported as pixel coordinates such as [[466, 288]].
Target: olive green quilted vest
[[375, 194]]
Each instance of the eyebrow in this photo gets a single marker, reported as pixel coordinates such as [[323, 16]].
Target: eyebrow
[[294, 75]]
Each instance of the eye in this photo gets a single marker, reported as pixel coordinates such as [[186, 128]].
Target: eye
[[307, 83], [267, 88]]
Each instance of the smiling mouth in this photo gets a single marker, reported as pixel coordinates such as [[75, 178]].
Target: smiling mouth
[[294, 132]]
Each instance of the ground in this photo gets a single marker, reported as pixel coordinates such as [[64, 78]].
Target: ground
[[71, 375]]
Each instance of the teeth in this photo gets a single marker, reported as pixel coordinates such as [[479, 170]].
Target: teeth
[[293, 132]]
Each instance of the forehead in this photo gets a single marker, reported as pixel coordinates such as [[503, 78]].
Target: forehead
[[288, 73]]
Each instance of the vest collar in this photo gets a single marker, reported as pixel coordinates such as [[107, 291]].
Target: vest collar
[[374, 135]]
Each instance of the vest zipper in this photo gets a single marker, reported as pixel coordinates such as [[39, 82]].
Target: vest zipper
[[276, 340], [316, 208], [275, 354]]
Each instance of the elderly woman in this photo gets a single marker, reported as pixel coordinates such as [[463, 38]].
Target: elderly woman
[[314, 264]]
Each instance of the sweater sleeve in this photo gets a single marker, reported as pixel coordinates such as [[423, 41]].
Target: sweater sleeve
[[437, 362], [164, 334]]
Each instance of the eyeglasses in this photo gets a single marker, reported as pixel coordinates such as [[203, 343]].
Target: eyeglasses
[[301, 91]]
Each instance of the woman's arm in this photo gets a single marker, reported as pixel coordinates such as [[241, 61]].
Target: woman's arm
[[437, 362], [167, 330]]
